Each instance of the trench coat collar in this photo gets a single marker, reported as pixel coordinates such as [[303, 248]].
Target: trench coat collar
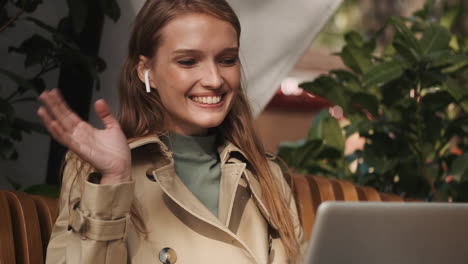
[[233, 163], [224, 150]]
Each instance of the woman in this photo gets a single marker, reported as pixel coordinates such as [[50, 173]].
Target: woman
[[193, 185]]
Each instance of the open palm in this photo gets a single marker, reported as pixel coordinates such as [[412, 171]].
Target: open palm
[[106, 150]]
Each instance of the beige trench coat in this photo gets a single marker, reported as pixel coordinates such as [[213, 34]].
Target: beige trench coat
[[95, 226]]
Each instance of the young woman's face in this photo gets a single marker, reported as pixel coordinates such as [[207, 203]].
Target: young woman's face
[[196, 72]]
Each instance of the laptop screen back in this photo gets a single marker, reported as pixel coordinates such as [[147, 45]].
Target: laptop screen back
[[403, 233]]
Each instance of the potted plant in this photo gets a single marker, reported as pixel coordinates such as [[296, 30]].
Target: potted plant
[[409, 103]]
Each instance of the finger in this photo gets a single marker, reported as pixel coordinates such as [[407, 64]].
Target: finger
[[59, 109], [55, 130], [104, 113], [62, 112]]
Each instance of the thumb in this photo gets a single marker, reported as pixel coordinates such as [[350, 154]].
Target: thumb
[[104, 113]]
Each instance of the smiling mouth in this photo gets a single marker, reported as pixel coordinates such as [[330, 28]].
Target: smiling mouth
[[207, 100]]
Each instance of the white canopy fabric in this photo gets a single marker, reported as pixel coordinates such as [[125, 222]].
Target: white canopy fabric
[[275, 34]]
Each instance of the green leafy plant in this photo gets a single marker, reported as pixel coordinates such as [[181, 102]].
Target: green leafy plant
[[410, 104], [43, 53], [51, 48]]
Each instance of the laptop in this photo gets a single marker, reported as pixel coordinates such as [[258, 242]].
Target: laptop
[[389, 233]]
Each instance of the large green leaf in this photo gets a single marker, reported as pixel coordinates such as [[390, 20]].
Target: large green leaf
[[297, 154], [75, 58], [27, 5], [347, 79], [459, 168], [435, 38], [456, 91], [394, 92], [458, 127], [329, 88], [383, 73], [380, 164], [6, 110], [353, 38], [20, 81], [366, 101], [431, 132], [437, 101], [405, 41], [356, 58], [7, 149], [446, 58], [37, 50], [327, 128], [59, 34], [462, 65]]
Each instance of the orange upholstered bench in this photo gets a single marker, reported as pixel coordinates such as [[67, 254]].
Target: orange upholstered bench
[[26, 220]]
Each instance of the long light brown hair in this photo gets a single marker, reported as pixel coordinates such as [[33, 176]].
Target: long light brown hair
[[142, 114]]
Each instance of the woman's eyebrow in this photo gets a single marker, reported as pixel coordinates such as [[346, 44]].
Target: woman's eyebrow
[[236, 49], [187, 51]]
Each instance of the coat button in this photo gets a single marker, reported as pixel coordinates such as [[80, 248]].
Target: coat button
[[167, 256]]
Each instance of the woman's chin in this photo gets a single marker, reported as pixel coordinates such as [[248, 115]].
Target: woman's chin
[[208, 124]]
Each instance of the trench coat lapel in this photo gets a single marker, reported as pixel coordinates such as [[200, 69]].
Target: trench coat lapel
[[173, 186], [231, 174], [254, 185]]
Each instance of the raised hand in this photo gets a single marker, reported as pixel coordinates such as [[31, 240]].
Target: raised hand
[[106, 150]]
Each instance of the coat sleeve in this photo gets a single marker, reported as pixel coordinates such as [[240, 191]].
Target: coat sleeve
[[92, 222], [290, 200]]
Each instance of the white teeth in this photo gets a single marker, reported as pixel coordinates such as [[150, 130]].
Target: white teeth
[[207, 100]]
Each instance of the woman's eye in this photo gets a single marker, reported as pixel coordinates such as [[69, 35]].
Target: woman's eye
[[229, 61], [190, 62]]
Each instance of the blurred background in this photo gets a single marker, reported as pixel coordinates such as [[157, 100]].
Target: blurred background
[[79, 46]]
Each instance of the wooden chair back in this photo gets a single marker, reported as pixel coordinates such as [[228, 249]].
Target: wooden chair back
[[26, 221], [7, 238], [25, 226], [310, 191]]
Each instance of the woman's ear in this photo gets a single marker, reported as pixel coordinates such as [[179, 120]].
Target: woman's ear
[[143, 66]]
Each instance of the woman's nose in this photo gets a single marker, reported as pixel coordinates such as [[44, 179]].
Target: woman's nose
[[211, 77]]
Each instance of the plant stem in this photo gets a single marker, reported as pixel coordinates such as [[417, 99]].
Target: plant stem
[[13, 94], [13, 19], [422, 154], [43, 70], [23, 100], [419, 123], [46, 69]]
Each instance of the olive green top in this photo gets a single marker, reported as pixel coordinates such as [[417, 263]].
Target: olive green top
[[197, 163]]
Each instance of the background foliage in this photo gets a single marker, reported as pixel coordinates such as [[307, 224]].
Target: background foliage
[[43, 52], [408, 101], [51, 47]]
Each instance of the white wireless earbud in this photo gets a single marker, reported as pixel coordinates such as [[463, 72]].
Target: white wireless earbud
[[147, 84]]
